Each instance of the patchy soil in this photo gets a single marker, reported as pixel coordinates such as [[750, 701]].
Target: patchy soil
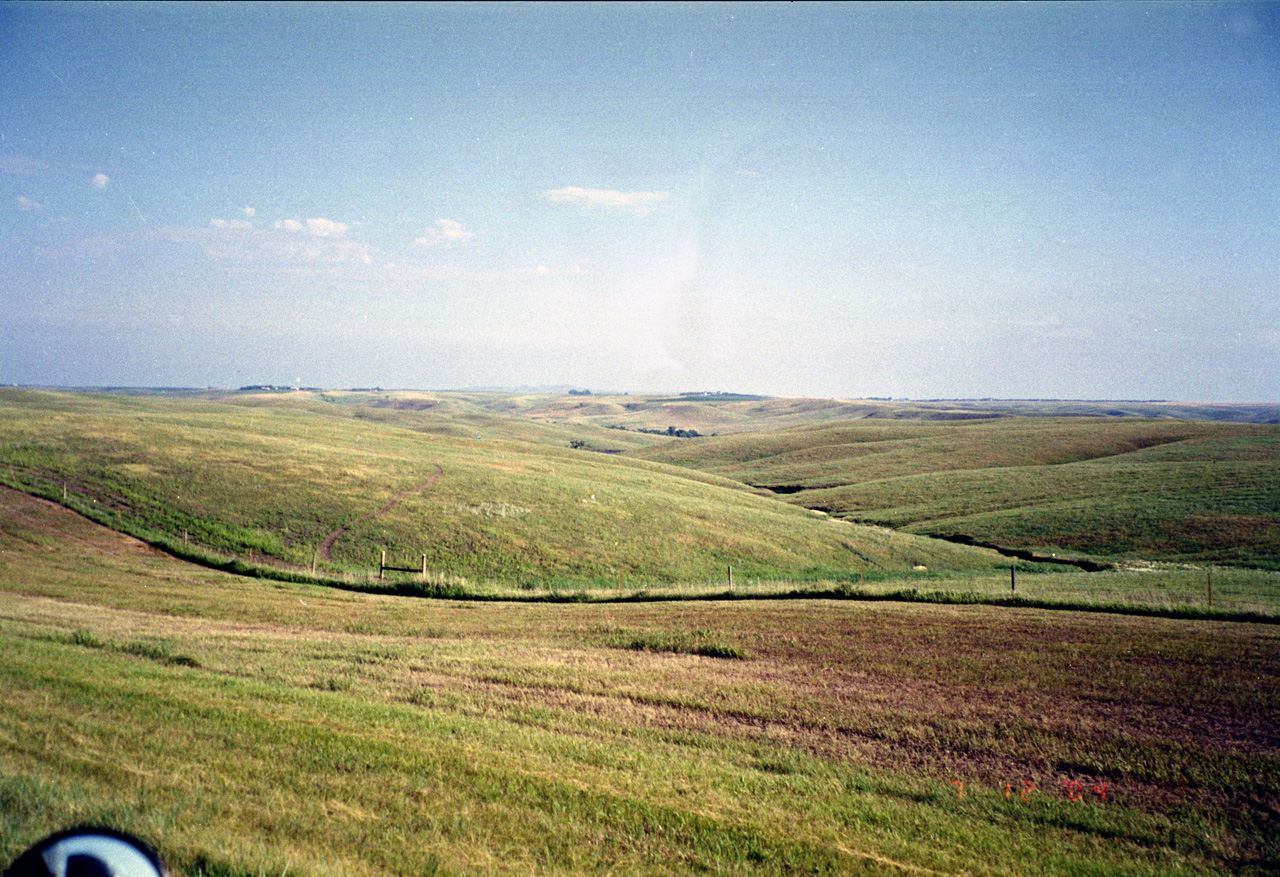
[[1158, 714], [28, 522]]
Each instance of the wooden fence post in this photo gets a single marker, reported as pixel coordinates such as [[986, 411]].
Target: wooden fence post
[[730, 577], [382, 567], [1013, 580], [424, 566]]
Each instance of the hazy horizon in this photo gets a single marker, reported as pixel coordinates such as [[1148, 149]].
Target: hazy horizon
[[605, 392], [924, 201]]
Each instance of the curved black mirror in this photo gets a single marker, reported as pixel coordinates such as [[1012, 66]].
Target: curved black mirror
[[88, 852]]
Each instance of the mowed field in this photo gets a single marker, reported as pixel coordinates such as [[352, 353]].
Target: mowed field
[[574, 687], [252, 727]]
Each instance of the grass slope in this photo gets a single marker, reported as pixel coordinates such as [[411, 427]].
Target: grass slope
[[731, 414], [276, 476], [257, 728], [1124, 488]]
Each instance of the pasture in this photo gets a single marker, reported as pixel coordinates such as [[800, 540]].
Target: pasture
[[1109, 489], [256, 727], [195, 645], [268, 481]]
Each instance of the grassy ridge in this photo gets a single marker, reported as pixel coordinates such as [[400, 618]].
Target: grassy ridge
[[276, 477], [252, 728], [732, 414], [1170, 490]]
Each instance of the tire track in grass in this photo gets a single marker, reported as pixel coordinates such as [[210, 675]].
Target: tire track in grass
[[327, 545]]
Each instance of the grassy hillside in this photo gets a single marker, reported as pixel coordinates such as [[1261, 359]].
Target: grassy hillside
[[297, 479], [1116, 488], [266, 728], [464, 415], [730, 414]]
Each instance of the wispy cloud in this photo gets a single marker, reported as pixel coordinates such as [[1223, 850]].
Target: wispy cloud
[[25, 204], [319, 227], [446, 232], [20, 165], [289, 242], [100, 181], [640, 203]]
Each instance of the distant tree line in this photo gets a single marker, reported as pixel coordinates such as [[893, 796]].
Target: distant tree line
[[670, 430], [706, 396], [580, 445]]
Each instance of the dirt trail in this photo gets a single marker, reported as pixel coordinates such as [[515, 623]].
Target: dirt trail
[[327, 545]]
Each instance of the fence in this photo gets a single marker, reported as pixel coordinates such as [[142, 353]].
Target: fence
[[382, 567]]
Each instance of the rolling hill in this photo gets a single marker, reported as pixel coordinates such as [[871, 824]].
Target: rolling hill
[[1122, 489], [255, 726], [301, 480], [493, 486]]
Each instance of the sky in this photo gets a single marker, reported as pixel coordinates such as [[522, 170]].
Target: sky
[[1075, 201]]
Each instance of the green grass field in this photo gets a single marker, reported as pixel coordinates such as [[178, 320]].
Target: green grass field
[[1127, 489], [251, 727], [576, 689], [277, 477]]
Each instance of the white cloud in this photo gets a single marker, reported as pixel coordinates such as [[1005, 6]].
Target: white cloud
[[100, 181], [230, 223], [326, 228], [25, 204], [319, 227], [445, 233], [249, 212], [608, 199]]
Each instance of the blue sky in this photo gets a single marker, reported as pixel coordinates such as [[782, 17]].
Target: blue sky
[[1004, 200]]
